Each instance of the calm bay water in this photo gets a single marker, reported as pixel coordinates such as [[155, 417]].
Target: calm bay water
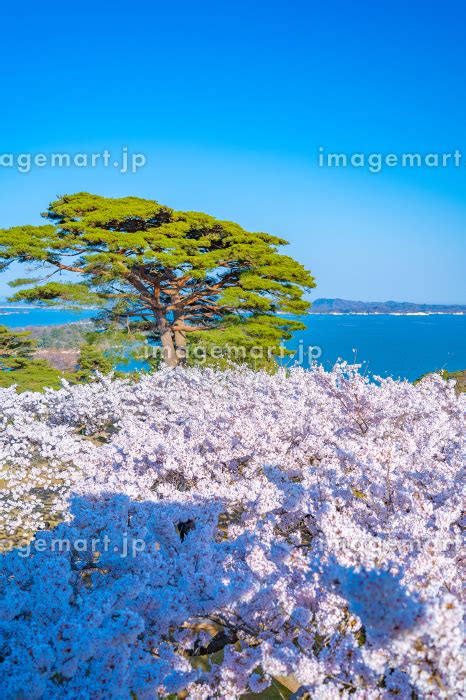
[[18, 318], [397, 346]]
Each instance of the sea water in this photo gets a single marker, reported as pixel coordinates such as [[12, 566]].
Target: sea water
[[388, 345]]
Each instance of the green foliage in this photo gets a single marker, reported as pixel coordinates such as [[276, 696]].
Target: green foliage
[[69, 336], [102, 351], [170, 274], [14, 346], [75, 295], [91, 360], [18, 365], [23, 281], [31, 375], [255, 343], [98, 352], [459, 376]]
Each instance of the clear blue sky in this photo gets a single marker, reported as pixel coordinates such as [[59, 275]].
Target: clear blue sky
[[230, 103]]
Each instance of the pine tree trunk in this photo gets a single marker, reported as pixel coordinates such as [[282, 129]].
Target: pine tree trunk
[[168, 348], [180, 343]]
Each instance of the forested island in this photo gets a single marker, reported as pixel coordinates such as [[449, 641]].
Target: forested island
[[347, 306]]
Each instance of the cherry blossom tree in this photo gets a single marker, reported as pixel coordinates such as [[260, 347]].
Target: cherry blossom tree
[[210, 534]]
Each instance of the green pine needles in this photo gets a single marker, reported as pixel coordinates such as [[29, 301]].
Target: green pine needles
[[180, 278], [19, 366]]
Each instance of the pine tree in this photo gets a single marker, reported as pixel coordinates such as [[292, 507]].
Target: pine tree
[[18, 365], [170, 274]]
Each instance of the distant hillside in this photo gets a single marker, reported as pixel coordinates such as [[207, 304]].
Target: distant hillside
[[66, 336], [346, 306], [459, 377]]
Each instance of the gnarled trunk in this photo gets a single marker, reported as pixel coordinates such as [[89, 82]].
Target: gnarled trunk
[[180, 344], [168, 347]]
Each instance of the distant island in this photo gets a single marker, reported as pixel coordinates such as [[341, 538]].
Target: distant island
[[319, 306], [346, 306]]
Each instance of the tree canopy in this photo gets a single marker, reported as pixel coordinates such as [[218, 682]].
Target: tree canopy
[[19, 366], [170, 274]]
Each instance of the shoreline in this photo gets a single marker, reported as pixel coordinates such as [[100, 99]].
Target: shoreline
[[25, 312], [386, 313]]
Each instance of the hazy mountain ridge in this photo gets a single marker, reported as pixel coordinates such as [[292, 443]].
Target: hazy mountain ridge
[[347, 306]]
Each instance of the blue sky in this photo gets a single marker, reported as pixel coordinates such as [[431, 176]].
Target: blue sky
[[230, 103]]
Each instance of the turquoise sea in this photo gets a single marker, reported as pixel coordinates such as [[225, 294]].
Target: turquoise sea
[[18, 317], [398, 346]]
